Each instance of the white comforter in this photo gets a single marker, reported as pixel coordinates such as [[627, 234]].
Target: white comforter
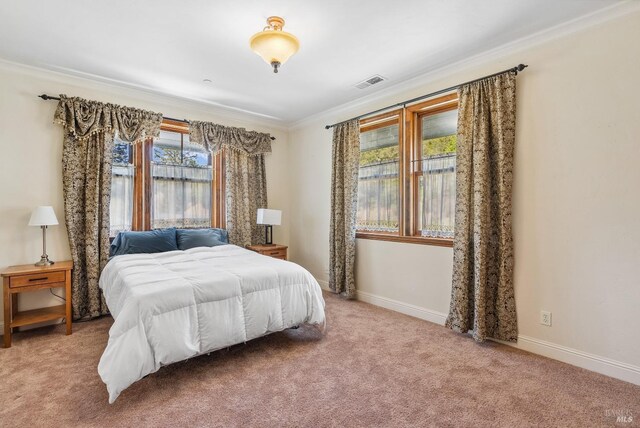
[[172, 306]]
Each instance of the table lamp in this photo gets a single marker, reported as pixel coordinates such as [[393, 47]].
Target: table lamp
[[43, 217], [269, 218]]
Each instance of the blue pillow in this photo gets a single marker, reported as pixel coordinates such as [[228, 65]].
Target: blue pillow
[[153, 241], [191, 238]]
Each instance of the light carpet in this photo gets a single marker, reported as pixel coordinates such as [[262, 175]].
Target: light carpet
[[373, 367]]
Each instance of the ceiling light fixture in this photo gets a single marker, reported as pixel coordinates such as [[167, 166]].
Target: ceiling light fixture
[[274, 45]]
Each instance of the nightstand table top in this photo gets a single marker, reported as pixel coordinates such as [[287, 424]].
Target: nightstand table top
[[31, 268]]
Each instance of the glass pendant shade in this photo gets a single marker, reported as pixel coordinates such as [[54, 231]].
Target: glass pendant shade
[[274, 45]]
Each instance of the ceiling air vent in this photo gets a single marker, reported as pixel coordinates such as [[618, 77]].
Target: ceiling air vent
[[370, 81]]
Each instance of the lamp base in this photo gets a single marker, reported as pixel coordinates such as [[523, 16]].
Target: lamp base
[[268, 234], [44, 261]]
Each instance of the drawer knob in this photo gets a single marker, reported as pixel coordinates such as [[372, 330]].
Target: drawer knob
[[38, 279]]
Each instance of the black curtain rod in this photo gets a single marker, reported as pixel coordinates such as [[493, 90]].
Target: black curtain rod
[[515, 69], [49, 97]]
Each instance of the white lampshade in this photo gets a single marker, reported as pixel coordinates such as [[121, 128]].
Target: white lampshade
[[43, 216], [271, 217]]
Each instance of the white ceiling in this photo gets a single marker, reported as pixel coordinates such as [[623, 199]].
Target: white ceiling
[[171, 46]]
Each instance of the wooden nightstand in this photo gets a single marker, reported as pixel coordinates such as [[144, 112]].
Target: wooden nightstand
[[275, 250], [25, 278]]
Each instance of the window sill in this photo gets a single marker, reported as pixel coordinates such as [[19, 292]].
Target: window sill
[[422, 240]]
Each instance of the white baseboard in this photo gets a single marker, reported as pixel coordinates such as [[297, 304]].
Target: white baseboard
[[585, 360], [404, 308], [395, 305], [575, 357]]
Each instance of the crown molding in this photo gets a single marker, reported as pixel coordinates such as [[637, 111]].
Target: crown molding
[[148, 94], [381, 98]]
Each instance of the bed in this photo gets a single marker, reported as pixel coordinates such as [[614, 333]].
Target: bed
[[174, 305]]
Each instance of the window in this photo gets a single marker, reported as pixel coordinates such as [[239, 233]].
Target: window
[[406, 183], [182, 176], [165, 183], [123, 172], [436, 174], [378, 185]]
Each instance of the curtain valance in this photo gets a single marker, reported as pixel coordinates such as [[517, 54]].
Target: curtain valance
[[83, 118], [213, 137]]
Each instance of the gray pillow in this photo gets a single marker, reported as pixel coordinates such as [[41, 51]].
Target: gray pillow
[[152, 241], [192, 238]]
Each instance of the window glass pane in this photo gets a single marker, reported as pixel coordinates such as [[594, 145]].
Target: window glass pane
[[439, 125], [182, 177], [167, 150], [121, 205], [437, 180], [379, 138], [378, 202], [195, 156]]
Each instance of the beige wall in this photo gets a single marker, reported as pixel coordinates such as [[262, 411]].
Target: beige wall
[[576, 197], [31, 153]]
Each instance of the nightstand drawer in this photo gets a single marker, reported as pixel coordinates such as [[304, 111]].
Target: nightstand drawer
[[36, 279], [276, 253]]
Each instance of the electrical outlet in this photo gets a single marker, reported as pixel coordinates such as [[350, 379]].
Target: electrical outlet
[[545, 318]]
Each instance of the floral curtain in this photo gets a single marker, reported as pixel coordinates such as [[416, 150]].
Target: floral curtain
[[89, 131], [82, 118], [245, 177], [344, 206], [482, 295], [246, 191], [213, 137]]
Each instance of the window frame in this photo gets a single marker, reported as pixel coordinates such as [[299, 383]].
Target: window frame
[[409, 120], [143, 182]]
